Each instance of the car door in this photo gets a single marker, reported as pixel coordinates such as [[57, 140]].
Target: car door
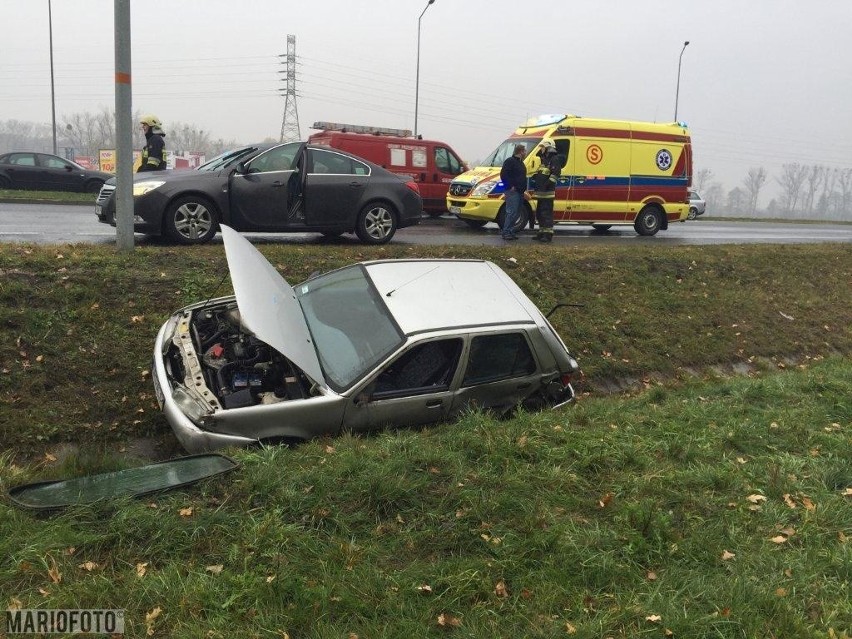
[[58, 175], [500, 372], [265, 194], [334, 188], [23, 170], [414, 389]]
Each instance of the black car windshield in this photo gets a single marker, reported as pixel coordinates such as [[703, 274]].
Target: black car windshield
[[224, 159], [351, 326], [507, 149]]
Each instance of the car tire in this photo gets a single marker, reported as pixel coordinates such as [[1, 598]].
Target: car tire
[[649, 220], [93, 186], [376, 223], [601, 228], [191, 220], [475, 224], [693, 213], [523, 217]]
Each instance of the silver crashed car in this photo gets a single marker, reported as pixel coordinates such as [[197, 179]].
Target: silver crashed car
[[371, 345]]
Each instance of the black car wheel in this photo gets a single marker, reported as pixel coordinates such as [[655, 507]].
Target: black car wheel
[[190, 220], [649, 220], [94, 186], [376, 223], [524, 214]]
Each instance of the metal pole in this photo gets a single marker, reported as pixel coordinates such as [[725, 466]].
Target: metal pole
[[123, 129], [52, 91], [677, 91], [417, 81]]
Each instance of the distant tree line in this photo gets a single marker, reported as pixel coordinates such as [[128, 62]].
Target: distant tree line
[[807, 192], [87, 133]]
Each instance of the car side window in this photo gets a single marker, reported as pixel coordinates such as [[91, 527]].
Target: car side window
[[328, 162], [496, 357], [51, 162], [22, 159], [280, 158], [425, 368], [442, 160]]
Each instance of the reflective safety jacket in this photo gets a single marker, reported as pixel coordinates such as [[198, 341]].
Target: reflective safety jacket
[[154, 153], [544, 179]]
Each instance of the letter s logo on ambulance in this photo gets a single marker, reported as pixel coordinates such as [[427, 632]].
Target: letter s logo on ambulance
[[664, 159], [594, 154]]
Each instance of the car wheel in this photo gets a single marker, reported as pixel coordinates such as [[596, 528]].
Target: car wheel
[[649, 220], [524, 215], [190, 220], [476, 224], [94, 186], [693, 213], [601, 227], [376, 223]]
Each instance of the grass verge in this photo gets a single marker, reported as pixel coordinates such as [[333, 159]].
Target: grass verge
[[719, 505], [53, 197]]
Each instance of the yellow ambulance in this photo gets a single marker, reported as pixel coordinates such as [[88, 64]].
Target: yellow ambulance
[[615, 173]]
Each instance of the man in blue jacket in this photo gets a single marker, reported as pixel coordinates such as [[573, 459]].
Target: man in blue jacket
[[514, 178]]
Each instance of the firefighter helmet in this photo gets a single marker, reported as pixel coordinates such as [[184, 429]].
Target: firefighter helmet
[[152, 121], [547, 146]]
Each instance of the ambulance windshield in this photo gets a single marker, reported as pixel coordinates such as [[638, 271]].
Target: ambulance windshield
[[507, 148]]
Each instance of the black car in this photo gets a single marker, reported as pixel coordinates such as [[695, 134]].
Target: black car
[[45, 172], [293, 187]]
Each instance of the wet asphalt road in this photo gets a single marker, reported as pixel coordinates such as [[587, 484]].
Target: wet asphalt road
[[61, 224]]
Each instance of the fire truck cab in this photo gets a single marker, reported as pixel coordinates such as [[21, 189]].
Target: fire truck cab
[[430, 164], [615, 173]]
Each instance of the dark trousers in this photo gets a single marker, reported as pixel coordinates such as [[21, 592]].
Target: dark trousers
[[544, 213]]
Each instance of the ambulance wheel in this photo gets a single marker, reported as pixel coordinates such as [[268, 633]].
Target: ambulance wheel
[[649, 220], [524, 214], [475, 224], [601, 228], [376, 223]]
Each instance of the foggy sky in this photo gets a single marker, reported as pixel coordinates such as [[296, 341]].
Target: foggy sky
[[763, 82]]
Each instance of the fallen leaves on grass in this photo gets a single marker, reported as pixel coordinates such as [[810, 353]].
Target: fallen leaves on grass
[[425, 589], [150, 618], [215, 569], [88, 566], [141, 569], [653, 618], [500, 589], [185, 512], [727, 556], [448, 621], [605, 501]]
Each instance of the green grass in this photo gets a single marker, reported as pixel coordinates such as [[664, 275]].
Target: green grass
[[57, 197], [592, 518]]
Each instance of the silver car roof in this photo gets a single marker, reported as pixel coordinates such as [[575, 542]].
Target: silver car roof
[[429, 295]]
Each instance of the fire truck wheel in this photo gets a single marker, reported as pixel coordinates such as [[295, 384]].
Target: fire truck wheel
[[524, 215], [649, 220]]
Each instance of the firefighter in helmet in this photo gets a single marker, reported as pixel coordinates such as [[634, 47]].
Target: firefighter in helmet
[[544, 184], [154, 151]]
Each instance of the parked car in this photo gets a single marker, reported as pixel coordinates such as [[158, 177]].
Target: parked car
[[375, 344], [697, 205], [280, 188], [45, 172]]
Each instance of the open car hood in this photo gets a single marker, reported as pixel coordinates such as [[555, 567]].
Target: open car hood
[[268, 305]]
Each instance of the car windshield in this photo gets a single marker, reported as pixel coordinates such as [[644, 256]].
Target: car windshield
[[224, 159], [507, 149], [351, 326]]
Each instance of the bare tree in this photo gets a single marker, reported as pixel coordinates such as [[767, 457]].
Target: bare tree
[[702, 178], [792, 178], [815, 178], [737, 200], [17, 135], [753, 182], [714, 195], [844, 184]]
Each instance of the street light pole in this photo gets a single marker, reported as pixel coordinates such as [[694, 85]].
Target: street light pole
[[677, 91], [417, 81], [52, 92]]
